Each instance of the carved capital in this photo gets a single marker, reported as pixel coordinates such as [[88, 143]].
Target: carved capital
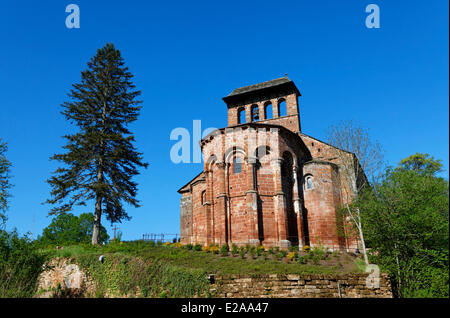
[[221, 164]]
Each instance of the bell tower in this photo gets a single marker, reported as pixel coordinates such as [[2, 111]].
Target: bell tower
[[272, 102]]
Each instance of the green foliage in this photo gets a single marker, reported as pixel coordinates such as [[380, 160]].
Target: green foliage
[[421, 164], [406, 223], [121, 275], [100, 159], [20, 265], [68, 229], [224, 250], [242, 252], [197, 247], [5, 185], [234, 249]]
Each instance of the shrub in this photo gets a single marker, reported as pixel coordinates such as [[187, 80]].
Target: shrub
[[224, 250], [259, 251], [253, 252], [197, 247], [242, 252], [292, 256], [20, 265], [214, 249], [234, 249], [188, 246], [205, 249]]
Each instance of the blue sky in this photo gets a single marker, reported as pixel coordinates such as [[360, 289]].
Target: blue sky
[[187, 55]]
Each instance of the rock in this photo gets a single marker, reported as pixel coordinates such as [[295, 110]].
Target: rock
[[63, 279]]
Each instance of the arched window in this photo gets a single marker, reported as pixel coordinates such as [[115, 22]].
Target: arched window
[[237, 165], [255, 112], [203, 197], [282, 110], [268, 113], [308, 183], [241, 115]]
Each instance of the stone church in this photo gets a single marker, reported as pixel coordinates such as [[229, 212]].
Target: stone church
[[264, 181]]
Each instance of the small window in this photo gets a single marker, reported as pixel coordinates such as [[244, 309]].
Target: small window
[[203, 197], [308, 183], [255, 112], [237, 165], [241, 116]]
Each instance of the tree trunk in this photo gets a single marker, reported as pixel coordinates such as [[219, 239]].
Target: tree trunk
[[98, 201], [97, 218], [361, 236]]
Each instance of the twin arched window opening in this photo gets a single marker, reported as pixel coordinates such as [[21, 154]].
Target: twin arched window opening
[[268, 112]]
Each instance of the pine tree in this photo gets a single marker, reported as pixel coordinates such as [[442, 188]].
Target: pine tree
[[100, 160]]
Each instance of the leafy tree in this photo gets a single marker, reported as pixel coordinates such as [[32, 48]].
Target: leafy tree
[[405, 219], [100, 160], [20, 265], [421, 163], [67, 228], [5, 166]]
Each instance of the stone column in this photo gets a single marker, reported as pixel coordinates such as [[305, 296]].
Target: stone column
[[275, 108], [208, 208], [252, 201], [262, 114], [297, 207], [280, 204], [228, 208], [220, 209]]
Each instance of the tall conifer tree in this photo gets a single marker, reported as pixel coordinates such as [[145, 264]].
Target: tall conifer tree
[[100, 160]]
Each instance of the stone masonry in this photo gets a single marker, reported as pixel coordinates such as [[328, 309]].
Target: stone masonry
[[300, 286], [264, 181]]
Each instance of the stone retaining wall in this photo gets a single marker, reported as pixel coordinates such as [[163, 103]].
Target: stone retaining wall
[[300, 286]]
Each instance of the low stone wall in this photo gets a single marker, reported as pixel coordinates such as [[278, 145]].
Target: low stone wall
[[300, 286]]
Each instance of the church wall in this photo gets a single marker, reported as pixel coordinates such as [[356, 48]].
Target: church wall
[[320, 203], [199, 225], [186, 219]]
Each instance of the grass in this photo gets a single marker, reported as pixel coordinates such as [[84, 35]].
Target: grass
[[145, 269], [200, 260]]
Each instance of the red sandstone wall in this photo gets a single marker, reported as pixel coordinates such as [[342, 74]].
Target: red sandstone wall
[[290, 121]]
